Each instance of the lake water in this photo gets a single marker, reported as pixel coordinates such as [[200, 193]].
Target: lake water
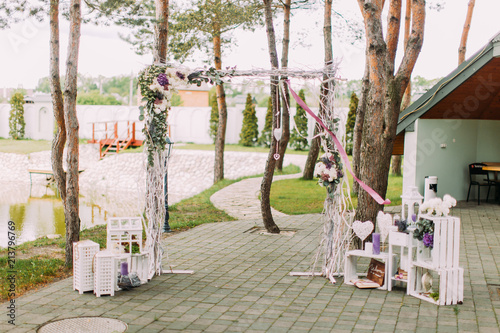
[[38, 212]]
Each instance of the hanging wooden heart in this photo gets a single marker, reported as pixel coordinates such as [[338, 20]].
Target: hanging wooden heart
[[276, 156], [384, 222], [277, 133], [362, 229]]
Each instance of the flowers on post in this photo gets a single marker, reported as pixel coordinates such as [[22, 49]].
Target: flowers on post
[[157, 85], [329, 171]]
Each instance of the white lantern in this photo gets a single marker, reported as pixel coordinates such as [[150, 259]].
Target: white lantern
[[410, 200]]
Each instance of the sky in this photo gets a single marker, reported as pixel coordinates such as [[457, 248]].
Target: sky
[[24, 55]]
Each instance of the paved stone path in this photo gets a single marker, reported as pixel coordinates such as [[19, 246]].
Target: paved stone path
[[242, 284], [241, 200]]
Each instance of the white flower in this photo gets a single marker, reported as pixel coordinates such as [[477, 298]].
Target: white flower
[[332, 174], [319, 168], [450, 201]]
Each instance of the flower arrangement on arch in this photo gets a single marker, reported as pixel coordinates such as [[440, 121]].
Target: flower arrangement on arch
[[329, 171], [438, 206], [157, 85]]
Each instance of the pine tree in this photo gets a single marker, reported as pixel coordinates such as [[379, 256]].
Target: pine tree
[[351, 120], [265, 135], [16, 118], [298, 140], [249, 130], [214, 117]]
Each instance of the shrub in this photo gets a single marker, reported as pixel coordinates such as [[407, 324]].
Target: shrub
[[249, 130], [298, 140], [265, 136], [16, 118]]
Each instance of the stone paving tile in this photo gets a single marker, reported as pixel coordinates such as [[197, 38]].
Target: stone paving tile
[[242, 283]]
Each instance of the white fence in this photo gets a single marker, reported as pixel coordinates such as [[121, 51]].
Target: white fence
[[187, 124]]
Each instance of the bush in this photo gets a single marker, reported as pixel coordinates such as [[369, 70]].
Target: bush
[[16, 118], [298, 140], [249, 130], [265, 136]]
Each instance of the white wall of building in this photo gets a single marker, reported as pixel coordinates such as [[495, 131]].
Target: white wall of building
[[464, 142]]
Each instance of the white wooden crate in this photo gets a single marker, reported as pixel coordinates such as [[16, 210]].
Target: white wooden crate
[[351, 265], [449, 284], [446, 250], [83, 255]]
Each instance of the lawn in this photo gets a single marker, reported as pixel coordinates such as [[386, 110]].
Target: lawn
[[299, 196], [24, 146]]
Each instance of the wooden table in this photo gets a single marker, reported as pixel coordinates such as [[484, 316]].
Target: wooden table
[[495, 168]]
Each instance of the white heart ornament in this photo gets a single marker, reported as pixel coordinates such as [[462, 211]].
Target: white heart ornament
[[362, 229], [384, 222], [277, 133]]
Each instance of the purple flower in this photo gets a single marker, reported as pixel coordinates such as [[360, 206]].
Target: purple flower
[[163, 79], [414, 217], [180, 75], [428, 240]]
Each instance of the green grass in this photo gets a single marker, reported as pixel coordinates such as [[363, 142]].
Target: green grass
[[298, 196], [29, 274], [24, 146]]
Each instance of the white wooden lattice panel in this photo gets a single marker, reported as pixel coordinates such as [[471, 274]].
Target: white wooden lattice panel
[[83, 255], [105, 274], [124, 231]]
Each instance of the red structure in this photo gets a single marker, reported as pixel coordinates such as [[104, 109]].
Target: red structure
[[113, 138]]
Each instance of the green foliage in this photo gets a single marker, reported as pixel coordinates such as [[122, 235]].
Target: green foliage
[[95, 98], [214, 115], [351, 120], [265, 136], [249, 131], [298, 140], [16, 118], [176, 100]]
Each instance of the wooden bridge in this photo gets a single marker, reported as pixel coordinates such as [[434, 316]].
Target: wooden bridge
[[113, 138]]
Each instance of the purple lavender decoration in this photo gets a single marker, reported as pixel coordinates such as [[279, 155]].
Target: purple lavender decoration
[[428, 240], [163, 80], [414, 217]]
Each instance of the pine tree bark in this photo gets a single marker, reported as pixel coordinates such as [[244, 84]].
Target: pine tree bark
[[385, 95], [465, 32], [161, 32], [220, 140], [57, 102], [312, 156], [265, 187], [285, 119], [71, 121], [397, 159], [358, 125]]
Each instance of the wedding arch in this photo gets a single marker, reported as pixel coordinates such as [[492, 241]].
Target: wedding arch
[[157, 84]]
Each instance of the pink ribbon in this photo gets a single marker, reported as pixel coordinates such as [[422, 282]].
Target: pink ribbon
[[342, 152]]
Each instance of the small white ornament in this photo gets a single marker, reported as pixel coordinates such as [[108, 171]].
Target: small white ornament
[[427, 282], [362, 229], [277, 133], [384, 222]]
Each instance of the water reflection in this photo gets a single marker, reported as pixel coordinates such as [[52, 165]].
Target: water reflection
[[41, 213]]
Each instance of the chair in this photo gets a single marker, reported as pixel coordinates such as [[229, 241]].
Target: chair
[[476, 171]]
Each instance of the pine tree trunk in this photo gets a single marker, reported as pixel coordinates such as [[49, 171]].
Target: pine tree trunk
[[312, 156], [285, 125], [358, 125], [161, 32], [71, 207], [384, 98], [465, 32], [265, 187], [220, 140], [57, 102]]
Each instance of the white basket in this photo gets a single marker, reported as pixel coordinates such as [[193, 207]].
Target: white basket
[[83, 254], [105, 274], [124, 231]]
